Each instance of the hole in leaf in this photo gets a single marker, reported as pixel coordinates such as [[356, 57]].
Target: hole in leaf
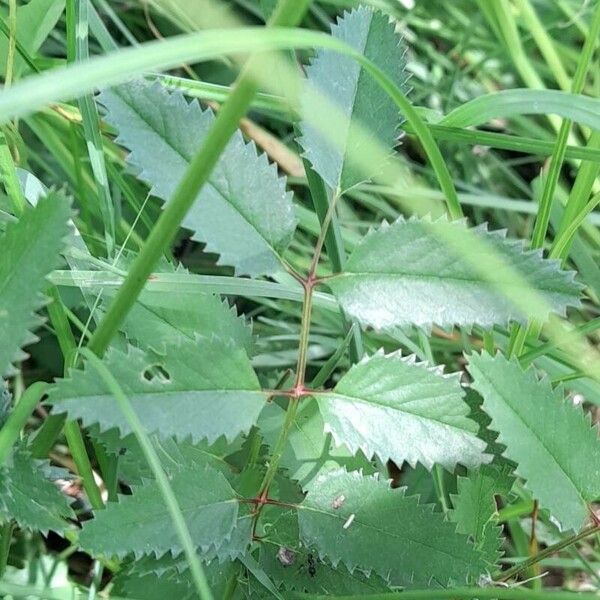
[[156, 373]]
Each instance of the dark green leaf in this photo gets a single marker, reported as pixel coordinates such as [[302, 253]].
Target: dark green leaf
[[365, 524], [28, 497], [141, 524]]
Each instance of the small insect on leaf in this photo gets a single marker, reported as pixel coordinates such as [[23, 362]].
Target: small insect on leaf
[[337, 502], [312, 565], [286, 556]]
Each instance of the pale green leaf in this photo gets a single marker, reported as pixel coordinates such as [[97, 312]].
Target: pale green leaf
[[159, 318], [28, 497], [203, 388], [363, 104], [419, 272], [141, 524], [365, 524], [553, 442], [394, 408], [243, 213], [29, 250]]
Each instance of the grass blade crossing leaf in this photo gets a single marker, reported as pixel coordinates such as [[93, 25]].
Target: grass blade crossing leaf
[[419, 272], [395, 408], [354, 92], [138, 524], [554, 444], [30, 250], [378, 528], [243, 213], [162, 317], [203, 388]]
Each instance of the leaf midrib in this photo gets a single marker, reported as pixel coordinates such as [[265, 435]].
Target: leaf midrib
[[436, 277], [407, 412], [384, 532]]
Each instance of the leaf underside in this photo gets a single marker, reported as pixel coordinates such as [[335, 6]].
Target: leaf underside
[[385, 400], [30, 251], [203, 388], [422, 272], [334, 147], [363, 523], [553, 442], [243, 212], [142, 525]]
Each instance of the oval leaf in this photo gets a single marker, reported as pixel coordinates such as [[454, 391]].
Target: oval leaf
[[395, 408], [334, 148], [203, 388], [242, 213], [419, 272], [363, 523], [554, 444]]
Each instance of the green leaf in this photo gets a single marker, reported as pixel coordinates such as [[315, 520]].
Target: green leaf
[[30, 251], [159, 318], [419, 272], [297, 567], [243, 212], [363, 523], [141, 524], [28, 497], [385, 400], [157, 579], [35, 21], [475, 509], [365, 106], [203, 388], [553, 442]]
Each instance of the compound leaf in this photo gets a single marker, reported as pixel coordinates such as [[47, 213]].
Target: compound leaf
[[419, 272], [385, 400], [365, 524], [363, 106], [243, 213], [203, 388], [553, 442], [141, 524], [28, 497], [30, 251]]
